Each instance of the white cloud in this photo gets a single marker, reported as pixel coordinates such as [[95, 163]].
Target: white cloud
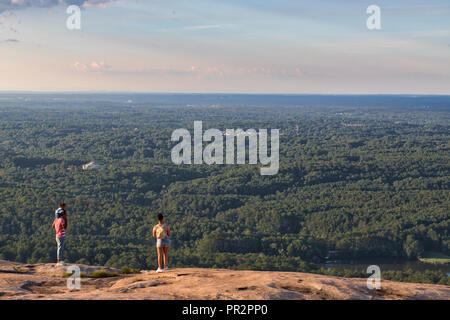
[[8, 5], [93, 66], [202, 27]]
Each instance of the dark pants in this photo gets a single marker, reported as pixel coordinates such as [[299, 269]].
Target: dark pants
[[61, 242]]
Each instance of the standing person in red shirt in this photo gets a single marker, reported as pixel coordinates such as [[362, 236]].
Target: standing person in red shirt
[[161, 232], [60, 225]]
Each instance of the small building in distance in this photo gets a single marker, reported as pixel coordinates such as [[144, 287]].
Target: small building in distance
[[92, 165]]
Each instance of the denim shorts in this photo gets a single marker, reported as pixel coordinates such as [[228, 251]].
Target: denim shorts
[[162, 243]]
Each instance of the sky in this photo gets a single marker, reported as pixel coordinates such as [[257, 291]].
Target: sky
[[218, 46]]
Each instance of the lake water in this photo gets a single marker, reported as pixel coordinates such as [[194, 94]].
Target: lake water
[[385, 264]]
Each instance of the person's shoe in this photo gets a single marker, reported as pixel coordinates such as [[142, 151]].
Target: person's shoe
[[159, 270], [166, 268], [61, 264]]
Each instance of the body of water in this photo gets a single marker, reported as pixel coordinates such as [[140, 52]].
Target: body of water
[[385, 264]]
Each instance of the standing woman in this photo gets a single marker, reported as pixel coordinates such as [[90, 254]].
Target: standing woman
[[60, 225], [162, 233]]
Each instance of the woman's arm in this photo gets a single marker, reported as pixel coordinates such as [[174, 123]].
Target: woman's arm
[[168, 231], [154, 232]]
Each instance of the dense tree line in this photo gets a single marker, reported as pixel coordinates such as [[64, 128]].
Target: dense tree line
[[364, 181]]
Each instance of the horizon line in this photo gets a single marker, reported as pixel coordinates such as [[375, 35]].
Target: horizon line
[[215, 93]]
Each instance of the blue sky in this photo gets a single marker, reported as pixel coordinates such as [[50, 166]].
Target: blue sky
[[250, 46]]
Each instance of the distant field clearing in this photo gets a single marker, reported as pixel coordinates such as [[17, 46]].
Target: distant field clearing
[[435, 257]]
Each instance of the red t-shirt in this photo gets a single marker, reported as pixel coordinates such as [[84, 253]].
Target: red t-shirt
[[59, 227]]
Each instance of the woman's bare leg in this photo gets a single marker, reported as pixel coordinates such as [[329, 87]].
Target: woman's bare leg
[[160, 256], [166, 259]]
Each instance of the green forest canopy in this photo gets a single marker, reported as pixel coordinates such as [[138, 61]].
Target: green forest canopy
[[367, 181]]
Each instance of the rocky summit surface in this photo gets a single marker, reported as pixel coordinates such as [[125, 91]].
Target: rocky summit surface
[[46, 281]]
